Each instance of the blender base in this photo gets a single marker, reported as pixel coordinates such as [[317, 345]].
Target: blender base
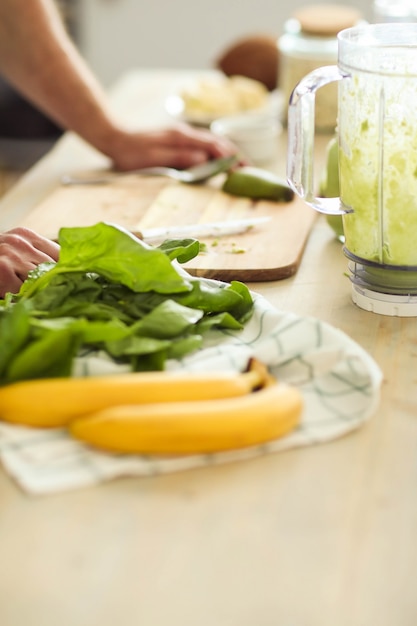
[[384, 303]]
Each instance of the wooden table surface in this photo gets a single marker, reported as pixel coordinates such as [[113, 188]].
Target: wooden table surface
[[319, 536]]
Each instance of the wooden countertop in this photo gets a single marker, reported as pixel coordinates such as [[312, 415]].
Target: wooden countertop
[[318, 536]]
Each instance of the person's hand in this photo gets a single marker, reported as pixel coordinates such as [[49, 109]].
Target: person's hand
[[180, 147], [21, 250]]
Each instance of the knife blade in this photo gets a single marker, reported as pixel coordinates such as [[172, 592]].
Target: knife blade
[[208, 229]]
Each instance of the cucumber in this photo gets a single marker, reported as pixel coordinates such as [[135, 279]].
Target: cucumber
[[256, 183], [329, 185]]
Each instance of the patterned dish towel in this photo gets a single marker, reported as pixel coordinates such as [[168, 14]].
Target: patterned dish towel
[[339, 381]]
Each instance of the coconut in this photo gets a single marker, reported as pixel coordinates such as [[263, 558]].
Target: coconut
[[255, 57]]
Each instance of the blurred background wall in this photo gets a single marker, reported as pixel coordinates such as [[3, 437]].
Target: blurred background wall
[[116, 35]]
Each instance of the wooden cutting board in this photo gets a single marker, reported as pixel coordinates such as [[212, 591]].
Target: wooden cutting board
[[271, 251]]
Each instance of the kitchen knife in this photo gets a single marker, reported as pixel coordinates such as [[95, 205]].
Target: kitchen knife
[[208, 229]]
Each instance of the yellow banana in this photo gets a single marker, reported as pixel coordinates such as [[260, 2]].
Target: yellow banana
[[56, 401], [194, 426]]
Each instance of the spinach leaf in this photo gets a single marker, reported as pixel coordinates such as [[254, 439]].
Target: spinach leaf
[[14, 333], [220, 320], [111, 292], [149, 362], [136, 345], [47, 356], [181, 249], [214, 297], [117, 255], [168, 319], [181, 347]]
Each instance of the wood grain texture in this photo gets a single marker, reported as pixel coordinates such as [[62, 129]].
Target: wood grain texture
[[271, 251], [320, 536]]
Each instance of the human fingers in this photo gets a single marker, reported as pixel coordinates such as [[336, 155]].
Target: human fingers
[[179, 147], [182, 147], [21, 250], [29, 245], [10, 281], [185, 137]]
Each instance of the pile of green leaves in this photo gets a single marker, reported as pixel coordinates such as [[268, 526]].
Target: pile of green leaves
[[112, 292]]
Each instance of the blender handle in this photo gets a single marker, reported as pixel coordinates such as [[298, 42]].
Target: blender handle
[[300, 158]]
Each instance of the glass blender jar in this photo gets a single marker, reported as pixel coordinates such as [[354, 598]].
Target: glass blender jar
[[377, 135]]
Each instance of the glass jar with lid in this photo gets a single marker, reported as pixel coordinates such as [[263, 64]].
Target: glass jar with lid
[[309, 41]]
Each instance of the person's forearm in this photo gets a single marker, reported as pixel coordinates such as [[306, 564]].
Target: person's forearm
[[38, 58]]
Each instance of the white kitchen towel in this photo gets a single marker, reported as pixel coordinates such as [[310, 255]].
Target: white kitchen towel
[[339, 381]]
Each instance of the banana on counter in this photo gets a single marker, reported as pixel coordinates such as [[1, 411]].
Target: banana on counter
[[196, 426], [53, 402], [160, 412]]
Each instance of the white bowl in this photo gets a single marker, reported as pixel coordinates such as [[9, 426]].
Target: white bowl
[[255, 134]]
